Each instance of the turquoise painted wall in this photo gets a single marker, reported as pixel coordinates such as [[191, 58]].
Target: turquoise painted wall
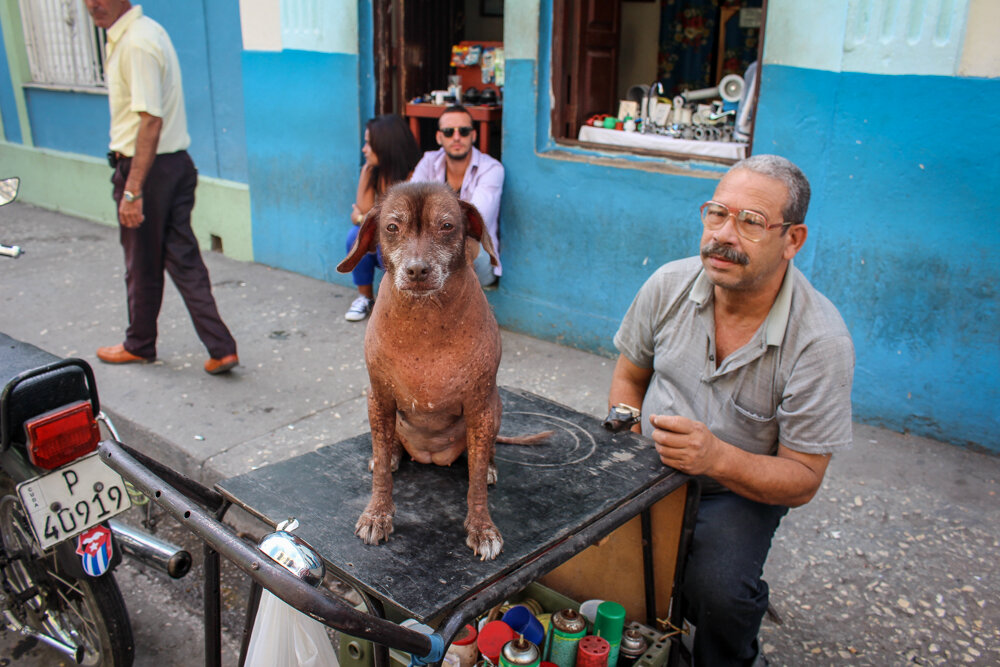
[[210, 63], [579, 236], [8, 105], [903, 237], [68, 121], [899, 234], [304, 156]]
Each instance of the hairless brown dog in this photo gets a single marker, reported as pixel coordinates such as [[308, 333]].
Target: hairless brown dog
[[433, 349]]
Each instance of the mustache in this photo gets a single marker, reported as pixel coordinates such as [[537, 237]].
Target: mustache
[[726, 252]]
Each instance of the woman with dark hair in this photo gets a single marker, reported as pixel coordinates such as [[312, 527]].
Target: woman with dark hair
[[390, 153]]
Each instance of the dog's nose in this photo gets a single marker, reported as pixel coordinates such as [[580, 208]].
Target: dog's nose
[[417, 270]]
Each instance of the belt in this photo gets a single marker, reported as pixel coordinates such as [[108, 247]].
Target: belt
[[114, 157]]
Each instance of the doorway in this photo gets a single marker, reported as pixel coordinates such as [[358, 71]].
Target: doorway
[[412, 45]]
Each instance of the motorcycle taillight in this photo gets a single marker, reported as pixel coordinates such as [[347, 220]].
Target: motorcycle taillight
[[62, 435]]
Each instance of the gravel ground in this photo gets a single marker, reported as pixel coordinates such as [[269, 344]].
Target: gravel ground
[[893, 563]]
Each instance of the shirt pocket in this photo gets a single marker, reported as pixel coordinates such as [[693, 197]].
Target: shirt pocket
[[751, 428]]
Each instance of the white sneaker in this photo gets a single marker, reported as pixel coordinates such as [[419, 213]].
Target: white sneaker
[[359, 309]]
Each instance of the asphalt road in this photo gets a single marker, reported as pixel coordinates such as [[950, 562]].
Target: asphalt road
[[166, 614]]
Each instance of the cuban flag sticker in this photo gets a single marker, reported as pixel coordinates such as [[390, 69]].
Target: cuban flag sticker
[[94, 547]]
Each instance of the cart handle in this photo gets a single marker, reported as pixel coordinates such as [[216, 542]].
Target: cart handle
[[270, 575]]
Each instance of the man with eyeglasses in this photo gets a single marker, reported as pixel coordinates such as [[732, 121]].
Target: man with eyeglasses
[[475, 176], [743, 371]]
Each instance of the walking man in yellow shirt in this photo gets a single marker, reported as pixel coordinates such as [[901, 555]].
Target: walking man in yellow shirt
[[154, 183]]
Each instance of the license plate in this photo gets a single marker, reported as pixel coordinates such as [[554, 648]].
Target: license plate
[[68, 501]]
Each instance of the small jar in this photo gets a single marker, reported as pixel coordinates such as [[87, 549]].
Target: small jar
[[463, 649]]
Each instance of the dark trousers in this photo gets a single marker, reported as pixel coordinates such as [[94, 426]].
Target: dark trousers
[[165, 241], [723, 591]]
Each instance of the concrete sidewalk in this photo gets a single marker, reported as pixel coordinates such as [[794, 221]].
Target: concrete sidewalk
[[894, 562]]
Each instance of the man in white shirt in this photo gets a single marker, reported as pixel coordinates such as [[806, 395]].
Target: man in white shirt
[[475, 176], [154, 183]]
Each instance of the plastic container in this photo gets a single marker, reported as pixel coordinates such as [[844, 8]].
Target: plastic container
[[609, 624], [464, 650], [524, 623], [492, 638]]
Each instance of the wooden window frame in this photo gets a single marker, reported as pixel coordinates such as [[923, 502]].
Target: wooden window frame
[[564, 109]]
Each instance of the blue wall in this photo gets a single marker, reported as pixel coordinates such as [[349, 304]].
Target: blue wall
[[578, 238], [8, 105], [304, 156], [213, 92], [903, 236], [67, 121], [900, 234]]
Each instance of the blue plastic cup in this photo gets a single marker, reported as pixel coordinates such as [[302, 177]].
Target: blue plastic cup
[[524, 623]]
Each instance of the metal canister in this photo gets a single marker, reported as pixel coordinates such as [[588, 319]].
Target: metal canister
[[568, 626], [520, 653], [632, 647]]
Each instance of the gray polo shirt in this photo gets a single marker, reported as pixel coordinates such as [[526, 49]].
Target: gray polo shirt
[[791, 383]]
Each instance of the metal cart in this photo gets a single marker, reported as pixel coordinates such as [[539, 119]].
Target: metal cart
[[553, 504]]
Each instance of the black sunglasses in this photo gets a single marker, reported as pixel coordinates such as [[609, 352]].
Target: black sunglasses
[[462, 131]]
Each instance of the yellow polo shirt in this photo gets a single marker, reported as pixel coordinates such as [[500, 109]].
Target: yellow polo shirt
[[143, 74]]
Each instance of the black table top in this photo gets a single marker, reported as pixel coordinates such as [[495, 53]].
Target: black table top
[[544, 493]]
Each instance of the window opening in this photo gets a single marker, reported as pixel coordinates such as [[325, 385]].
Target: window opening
[[673, 78], [65, 49]]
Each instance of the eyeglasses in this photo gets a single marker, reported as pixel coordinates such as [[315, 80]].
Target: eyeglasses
[[450, 131], [751, 225]]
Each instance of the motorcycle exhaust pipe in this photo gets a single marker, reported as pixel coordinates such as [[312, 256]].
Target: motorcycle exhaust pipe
[[151, 550], [74, 652]]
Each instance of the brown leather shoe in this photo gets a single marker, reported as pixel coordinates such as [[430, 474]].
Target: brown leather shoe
[[223, 365], [117, 354]]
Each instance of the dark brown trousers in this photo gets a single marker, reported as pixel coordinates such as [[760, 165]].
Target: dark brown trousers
[[165, 241]]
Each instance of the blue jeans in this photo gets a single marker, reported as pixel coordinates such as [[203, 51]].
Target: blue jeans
[[723, 591], [364, 272]]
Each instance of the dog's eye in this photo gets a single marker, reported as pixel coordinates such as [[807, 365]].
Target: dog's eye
[[447, 226], [392, 227]]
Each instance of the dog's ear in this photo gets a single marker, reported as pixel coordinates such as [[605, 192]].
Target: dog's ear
[[476, 228], [365, 242]]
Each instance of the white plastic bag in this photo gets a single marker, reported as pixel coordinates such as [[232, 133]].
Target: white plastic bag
[[285, 637]]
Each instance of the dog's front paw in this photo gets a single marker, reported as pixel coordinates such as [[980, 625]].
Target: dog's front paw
[[374, 526], [485, 541]]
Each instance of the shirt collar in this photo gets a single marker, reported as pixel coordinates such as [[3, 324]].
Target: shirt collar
[[119, 27], [777, 318]]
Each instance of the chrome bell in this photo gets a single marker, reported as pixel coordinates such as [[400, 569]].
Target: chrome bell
[[292, 553]]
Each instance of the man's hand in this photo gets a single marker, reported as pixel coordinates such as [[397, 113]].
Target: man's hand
[[685, 444], [130, 213], [789, 478]]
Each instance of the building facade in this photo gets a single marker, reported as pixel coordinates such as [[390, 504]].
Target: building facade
[[886, 105]]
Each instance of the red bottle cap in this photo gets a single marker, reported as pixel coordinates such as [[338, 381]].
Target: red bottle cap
[[466, 636], [492, 638], [592, 651]]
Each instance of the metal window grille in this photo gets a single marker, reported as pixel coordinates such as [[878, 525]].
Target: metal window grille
[[64, 47]]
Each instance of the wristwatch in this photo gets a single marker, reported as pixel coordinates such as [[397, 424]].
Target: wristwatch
[[129, 197]]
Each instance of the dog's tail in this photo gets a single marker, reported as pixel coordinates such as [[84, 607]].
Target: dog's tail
[[533, 439]]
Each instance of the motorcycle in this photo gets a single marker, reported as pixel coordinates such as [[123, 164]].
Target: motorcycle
[[60, 543]]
